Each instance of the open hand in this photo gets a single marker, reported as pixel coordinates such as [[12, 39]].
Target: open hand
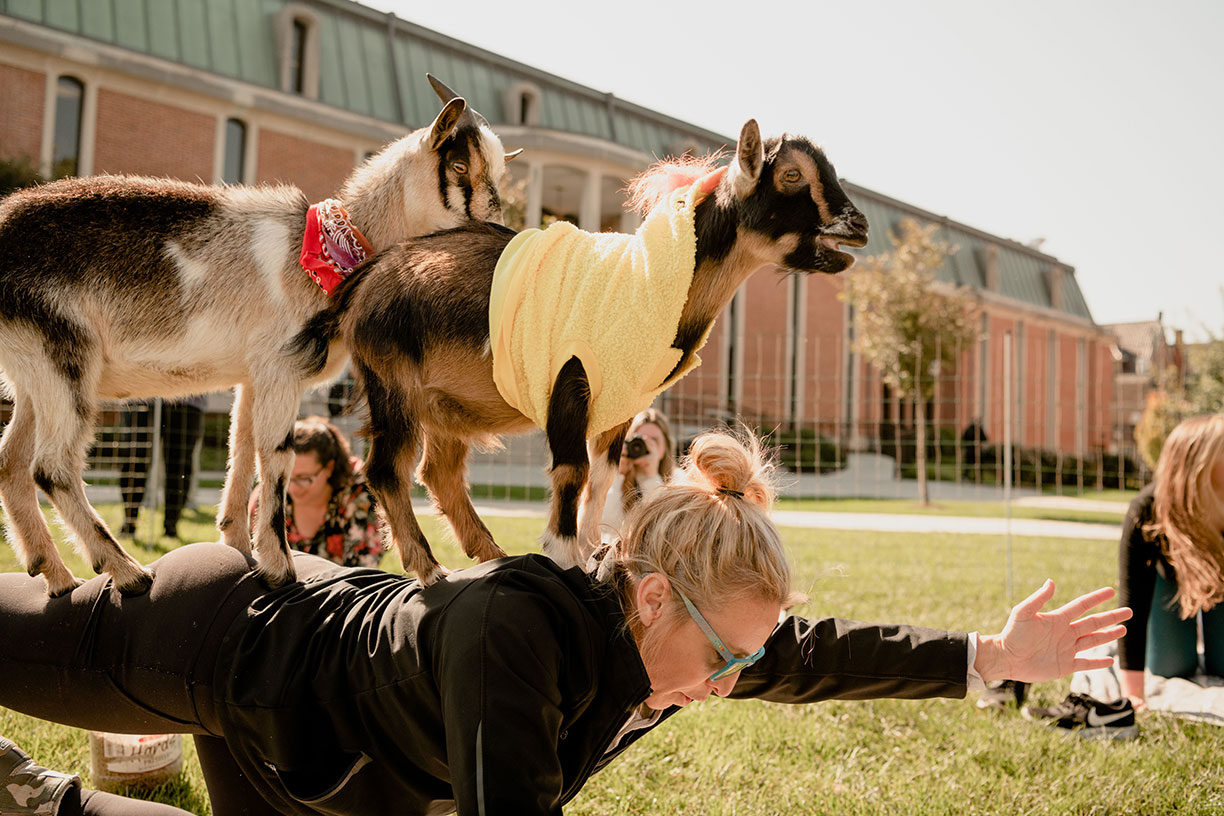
[[1036, 646]]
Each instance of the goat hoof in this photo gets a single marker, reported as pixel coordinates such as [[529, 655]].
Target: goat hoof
[[434, 575], [487, 552], [232, 538], [275, 577], [564, 550], [136, 584], [56, 589]]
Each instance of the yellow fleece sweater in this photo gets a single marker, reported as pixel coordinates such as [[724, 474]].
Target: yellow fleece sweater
[[611, 300]]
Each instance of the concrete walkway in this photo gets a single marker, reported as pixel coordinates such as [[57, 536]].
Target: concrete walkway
[[884, 522], [1073, 503], [821, 520]]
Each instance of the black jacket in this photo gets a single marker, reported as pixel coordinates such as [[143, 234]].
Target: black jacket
[[495, 691], [1140, 558]]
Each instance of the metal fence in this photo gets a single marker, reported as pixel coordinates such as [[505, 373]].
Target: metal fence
[[838, 430]]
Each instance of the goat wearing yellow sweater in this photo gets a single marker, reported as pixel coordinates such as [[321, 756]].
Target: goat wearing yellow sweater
[[611, 300]]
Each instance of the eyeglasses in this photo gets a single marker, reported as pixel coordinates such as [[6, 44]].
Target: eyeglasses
[[734, 664], [306, 481]]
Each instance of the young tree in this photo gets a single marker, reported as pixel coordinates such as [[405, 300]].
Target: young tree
[[1162, 411], [1205, 382], [1199, 391], [908, 325]]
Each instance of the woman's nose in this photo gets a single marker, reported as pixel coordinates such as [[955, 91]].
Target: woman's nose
[[722, 687]]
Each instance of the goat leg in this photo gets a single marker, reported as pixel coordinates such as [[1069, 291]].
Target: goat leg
[[604, 452], [394, 437], [443, 471], [276, 402], [234, 521], [28, 531], [566, 426], [66, 410]]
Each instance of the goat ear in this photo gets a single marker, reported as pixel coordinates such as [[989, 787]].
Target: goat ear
[[444, 125], [444, 93], [749, 158], [513, 154]]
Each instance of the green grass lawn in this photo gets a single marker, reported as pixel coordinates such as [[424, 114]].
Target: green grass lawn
[[736, 758]]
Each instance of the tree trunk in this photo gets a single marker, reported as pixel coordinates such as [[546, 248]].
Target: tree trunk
[[924, 495]]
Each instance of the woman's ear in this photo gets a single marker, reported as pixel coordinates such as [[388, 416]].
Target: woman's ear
[[653, 595]]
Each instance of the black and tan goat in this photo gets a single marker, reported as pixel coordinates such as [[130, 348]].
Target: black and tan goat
[[442, 370], [121, 287]]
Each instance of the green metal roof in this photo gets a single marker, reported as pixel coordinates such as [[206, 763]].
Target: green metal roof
[[370, 63], [1022, 270], [373, 64]]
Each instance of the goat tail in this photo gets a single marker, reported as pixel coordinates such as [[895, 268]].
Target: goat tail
[[309, 347]]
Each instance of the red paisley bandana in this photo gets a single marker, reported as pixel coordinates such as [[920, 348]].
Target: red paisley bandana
[[332, 246]]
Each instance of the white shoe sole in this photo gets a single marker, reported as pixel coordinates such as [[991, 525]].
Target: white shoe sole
[[1107, 733]]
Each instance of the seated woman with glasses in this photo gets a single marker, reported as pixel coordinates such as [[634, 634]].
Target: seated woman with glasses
[[501, 688], [329, 510]]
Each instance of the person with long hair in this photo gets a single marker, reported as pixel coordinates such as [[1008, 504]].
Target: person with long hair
[[1171, 560], [329, 509], [501, 688], [647, 461]]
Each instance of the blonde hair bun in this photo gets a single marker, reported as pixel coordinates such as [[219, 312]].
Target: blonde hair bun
[[734, 465], [708, 529]]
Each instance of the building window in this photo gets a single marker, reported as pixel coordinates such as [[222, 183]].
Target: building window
[[1017, 374], [297, 56], [522, 104], [795, 374], [1052, 395], [233, 167], [66, 151], [298, 35]]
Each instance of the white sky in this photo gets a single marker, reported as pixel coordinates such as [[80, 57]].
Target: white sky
[[1095, 125]]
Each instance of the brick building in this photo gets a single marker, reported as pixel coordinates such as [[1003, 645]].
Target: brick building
[[302, 90]]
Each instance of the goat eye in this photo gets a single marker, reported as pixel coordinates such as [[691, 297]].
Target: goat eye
[[792, 175], [459, 167]]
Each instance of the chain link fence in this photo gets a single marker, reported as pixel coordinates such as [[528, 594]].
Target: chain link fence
[[839, 430]]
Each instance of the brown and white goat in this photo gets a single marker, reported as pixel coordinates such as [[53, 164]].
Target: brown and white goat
[[124, 287], [418, 323]]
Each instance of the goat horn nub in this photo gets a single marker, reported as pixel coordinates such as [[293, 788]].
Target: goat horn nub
[[444, 93]]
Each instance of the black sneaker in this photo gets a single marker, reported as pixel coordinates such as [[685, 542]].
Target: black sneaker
[[27, 789], [998, 695], [1088, 717]]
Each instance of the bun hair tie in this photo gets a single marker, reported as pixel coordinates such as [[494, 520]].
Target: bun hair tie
[[727, 491]]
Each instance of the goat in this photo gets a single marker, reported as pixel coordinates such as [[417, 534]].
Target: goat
[[425, 341], [122, 287]]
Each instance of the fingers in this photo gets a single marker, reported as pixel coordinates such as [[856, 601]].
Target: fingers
[[1086, 663], [1102, 619], [1085, 602], [1031, 605], [1091, 641]]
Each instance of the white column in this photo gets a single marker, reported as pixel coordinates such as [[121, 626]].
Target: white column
[[89, 133], [588, 211], [535, 195], [47, 147], [219, 149]]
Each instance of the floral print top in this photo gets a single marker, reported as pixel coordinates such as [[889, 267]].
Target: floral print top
[[349, 534]]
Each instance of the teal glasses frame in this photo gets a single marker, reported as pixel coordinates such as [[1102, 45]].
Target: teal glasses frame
[[734, 664]]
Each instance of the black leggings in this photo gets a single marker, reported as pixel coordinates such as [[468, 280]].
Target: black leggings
[[81, 802], [95, 659]]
